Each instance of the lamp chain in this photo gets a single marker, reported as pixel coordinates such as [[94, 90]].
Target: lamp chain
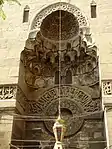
[[59, 107]]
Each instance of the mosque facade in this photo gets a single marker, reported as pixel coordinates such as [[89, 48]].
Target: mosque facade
[[56, 54]]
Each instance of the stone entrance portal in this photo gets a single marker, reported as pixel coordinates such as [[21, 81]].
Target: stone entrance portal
[[48, 71]]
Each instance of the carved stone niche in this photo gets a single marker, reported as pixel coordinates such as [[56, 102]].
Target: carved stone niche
[[76, 51], [56, 26], [69, 110], [41, 59], [82, 20], [41, 62]]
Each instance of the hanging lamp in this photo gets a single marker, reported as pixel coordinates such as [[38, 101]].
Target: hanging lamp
[[59, 131]]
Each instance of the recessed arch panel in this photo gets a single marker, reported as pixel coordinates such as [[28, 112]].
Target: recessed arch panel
[[82, 19]]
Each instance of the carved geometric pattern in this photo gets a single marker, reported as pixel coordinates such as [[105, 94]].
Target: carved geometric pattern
[[40, 63], [51, 25], [74, 102], [107, 87], [59, 6], [8, 92], [40, 105]]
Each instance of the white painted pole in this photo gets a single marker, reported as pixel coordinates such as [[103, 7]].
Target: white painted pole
[[106, 128]]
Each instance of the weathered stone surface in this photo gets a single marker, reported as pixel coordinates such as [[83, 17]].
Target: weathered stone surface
[[13, 29], [13, 34]]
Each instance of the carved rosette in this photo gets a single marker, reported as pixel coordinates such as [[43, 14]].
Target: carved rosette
[[75, 104], [70, 110]]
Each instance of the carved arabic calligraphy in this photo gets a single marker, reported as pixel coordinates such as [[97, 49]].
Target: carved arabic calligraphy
[[74, 93], [69, 110]]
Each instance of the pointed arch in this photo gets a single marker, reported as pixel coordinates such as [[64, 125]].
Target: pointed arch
[[42, 14], [68, 77], [57, 76]]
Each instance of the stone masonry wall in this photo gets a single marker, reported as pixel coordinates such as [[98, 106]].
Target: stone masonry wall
[[6, 122], [13, 33]]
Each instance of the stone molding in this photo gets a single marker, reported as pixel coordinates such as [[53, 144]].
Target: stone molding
[[39, 105]]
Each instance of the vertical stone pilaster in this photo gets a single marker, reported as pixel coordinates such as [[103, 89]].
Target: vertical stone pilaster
[[107, 102], [6, 121]]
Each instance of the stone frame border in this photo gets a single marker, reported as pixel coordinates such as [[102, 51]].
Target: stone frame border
[[36, 23]]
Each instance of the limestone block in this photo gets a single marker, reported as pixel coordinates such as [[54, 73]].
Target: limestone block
[[7, 103], [5, 131], [109, 125]]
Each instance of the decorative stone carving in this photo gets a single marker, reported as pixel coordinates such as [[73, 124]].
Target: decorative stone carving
[[72, 93], [8, 92], [74, 103], [75, 51], [107, 87], [44, 56], [42, 62], [82, 20], [69, 110], [89, 79], [51, 26]]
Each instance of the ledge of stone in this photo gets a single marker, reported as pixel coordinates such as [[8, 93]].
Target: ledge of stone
[[7, 103]]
